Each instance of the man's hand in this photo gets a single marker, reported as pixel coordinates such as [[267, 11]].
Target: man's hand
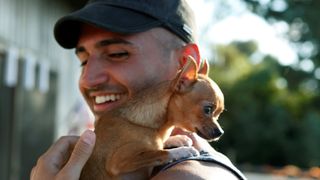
[[65, 159], [197, 142]]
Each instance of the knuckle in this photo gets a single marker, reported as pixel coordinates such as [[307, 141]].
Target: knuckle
[[42, 160]]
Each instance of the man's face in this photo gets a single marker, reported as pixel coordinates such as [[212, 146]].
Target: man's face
[[115, 66]]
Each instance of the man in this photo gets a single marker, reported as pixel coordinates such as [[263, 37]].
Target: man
[[124, 46]]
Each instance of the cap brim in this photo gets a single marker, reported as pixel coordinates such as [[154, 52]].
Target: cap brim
[[112, 18]]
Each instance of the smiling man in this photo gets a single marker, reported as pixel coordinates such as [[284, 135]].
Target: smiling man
[[125, 46], [116, 66]]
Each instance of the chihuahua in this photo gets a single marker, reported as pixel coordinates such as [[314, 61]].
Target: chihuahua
[[130, 139]]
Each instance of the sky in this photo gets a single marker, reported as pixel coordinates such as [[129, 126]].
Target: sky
[[242, 25]]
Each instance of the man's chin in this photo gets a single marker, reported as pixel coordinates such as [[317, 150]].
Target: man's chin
[[100, 109], [98, 115]]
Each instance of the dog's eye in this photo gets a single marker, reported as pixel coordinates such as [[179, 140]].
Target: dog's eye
[[208, 109]]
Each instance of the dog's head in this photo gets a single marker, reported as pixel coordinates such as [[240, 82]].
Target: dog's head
[[197, 101]]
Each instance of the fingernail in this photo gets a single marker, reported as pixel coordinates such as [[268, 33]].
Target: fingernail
[[88, 137]]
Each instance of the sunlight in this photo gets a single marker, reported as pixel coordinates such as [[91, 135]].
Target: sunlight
[[307, 65], [317, 73], [242, 26]]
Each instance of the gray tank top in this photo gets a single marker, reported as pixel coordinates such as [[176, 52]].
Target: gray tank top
[[215, 157]]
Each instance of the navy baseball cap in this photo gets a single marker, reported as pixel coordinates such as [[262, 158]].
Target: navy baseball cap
[[127, 17]]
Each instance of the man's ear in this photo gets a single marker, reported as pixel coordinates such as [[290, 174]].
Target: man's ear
[[189, 50], [187, 76], [204, 69]]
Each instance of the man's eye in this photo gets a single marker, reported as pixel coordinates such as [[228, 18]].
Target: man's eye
[[208, 110], [119, 55], [83, 63], [83, 58]]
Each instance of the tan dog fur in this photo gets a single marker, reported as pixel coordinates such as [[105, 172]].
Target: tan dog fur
[[130, 139]]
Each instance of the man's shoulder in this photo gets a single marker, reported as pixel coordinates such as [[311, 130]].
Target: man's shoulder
[[211, 165]]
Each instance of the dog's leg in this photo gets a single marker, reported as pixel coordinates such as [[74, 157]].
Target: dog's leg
[[120, 163]]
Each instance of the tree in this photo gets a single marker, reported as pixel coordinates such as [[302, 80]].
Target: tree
[[302, 18], [266, 121]]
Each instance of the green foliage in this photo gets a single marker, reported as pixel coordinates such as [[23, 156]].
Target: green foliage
[[302, 18], [266, 120]]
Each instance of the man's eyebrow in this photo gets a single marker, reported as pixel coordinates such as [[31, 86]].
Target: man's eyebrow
[[108, 42], [105, 42]]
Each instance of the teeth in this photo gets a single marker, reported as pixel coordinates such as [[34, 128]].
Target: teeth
[[100, 99], [107, 98], [112, 97]]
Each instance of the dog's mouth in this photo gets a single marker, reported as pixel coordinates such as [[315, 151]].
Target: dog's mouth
[[211, 134], [201, 134]]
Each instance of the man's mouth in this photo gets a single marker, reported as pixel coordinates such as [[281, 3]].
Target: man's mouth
[[107, 98], [104, 103]]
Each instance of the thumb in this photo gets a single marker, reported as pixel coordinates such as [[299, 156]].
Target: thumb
[[80, 154]]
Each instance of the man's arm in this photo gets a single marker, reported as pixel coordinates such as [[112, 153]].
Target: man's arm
[[58, 163]]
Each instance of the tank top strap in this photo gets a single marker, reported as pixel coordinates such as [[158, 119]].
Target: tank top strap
[[213, 157]]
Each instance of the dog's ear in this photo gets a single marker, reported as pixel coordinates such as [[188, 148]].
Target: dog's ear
[[204, 69], [186, 76]]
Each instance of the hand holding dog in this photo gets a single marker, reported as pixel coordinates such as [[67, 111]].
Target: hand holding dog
[[197, 142], [65, 159]]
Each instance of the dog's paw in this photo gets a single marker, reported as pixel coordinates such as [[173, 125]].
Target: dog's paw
[[182, 152], [178, 141]]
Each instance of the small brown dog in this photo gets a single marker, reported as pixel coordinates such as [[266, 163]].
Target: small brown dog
[[130, 140]]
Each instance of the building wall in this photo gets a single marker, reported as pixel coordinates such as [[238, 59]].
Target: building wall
[[32, 116], [28, 26]]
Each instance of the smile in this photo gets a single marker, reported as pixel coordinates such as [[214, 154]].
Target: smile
[[107, 98]]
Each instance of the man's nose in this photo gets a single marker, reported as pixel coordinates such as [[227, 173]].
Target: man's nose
[[93, 74]]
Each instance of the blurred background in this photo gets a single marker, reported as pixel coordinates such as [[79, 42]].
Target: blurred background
[[264, 54]]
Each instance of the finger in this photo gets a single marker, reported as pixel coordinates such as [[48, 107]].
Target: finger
[[177, 131], [60, 152], [80, 155], [33, 173], [50, 163], [201, 144], [180, 132], [178, 141]]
